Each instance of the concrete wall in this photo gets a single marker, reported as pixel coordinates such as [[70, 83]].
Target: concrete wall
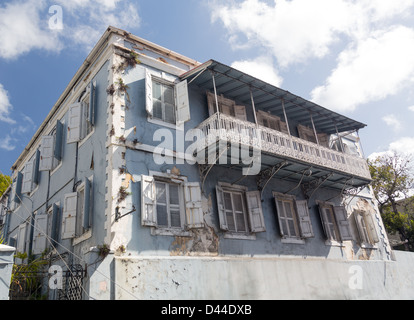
[[263, 278], [6, 267]]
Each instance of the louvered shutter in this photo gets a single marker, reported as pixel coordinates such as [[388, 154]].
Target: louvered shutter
[[36, 175], [54, 234], [148, 205], [69, 216], [74, 123], [371, 227], [21, 238], [304, 219], [324, 221], [58, 141], [148, 93], [280, 213], [193, 208], [28, 176], [46, 153], [240, 112], [88, 204], [18, 188], [183, 104], [40, 233], [221, 209], [343, 223], [92, 103], [254, 206]]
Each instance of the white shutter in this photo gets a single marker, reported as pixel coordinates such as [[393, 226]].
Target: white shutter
[[148, 93], [254, 206], [28, 177], [47, 153], [69, 216], [21, 238], [221, 209], [40, 233], [183, 103], [343, 223], [371, 227], [240, 112], [193, 208], [148, 206], [74, 123], [304, 219]]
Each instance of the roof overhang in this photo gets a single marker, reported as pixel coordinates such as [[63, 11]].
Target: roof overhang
[[237, 85]]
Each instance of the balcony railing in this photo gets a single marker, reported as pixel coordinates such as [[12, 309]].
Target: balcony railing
[[221, 127]]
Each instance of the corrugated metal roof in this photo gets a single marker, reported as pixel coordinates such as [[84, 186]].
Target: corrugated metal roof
[[236, 85]]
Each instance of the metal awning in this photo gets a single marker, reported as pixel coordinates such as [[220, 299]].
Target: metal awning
[[236, 85]]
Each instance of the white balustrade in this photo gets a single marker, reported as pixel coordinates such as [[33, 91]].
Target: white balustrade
[[221, 127]]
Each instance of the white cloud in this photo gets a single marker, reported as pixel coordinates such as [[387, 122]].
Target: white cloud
[[372, 70], [5, 106], [6, 143], [411, 108], [403, 146], [22, 29], [261, 68], [392, 121], [24, 24]]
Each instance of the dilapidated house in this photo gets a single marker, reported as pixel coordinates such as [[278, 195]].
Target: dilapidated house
[[156, 176]]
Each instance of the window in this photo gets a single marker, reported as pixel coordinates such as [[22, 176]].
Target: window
[[51, 149], [240, 211], [166, 102], [293, 217], [170, 204], [366, 228], [226, 106], [40, 233], [271, 121], [78, 211], [334, 221], [31, 173], [82, 115], [308, 134]]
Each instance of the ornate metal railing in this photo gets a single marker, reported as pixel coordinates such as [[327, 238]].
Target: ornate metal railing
[[220, 127]]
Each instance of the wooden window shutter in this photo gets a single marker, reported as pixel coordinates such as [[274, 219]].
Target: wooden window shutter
[[148, 202], [183, 103], [40, 233], [280, 212], [46, 153], [193, 208], [88, 205], [371, 227], [254, 206], [324, 221], [58, 141], [28, 176], [55, 224], [221, 209], [240, 112], [304, 219], [74, 123], [92, 103], [343, 223], [69, 216], [21, 238], [18, 188], [148, 93]]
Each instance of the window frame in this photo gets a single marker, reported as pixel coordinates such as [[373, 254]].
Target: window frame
[[367, 233], [251, 230]]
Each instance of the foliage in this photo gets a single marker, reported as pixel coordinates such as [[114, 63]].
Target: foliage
[[5, 181], [25, 276], [392, 180]]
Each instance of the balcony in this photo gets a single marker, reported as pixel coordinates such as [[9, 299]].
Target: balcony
[[299, 155], [247, 111]]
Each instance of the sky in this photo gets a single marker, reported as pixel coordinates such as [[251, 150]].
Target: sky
[[355, 57]]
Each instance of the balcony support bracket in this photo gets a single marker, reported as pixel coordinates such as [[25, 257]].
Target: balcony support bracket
[[266, 175], [309, 188]]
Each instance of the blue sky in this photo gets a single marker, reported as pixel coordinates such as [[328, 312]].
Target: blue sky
[[352, 56]]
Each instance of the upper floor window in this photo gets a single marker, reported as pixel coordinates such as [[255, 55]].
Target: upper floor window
[[225, 106], [51, 149], [82, 115], [335, 222], [166, 102]]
